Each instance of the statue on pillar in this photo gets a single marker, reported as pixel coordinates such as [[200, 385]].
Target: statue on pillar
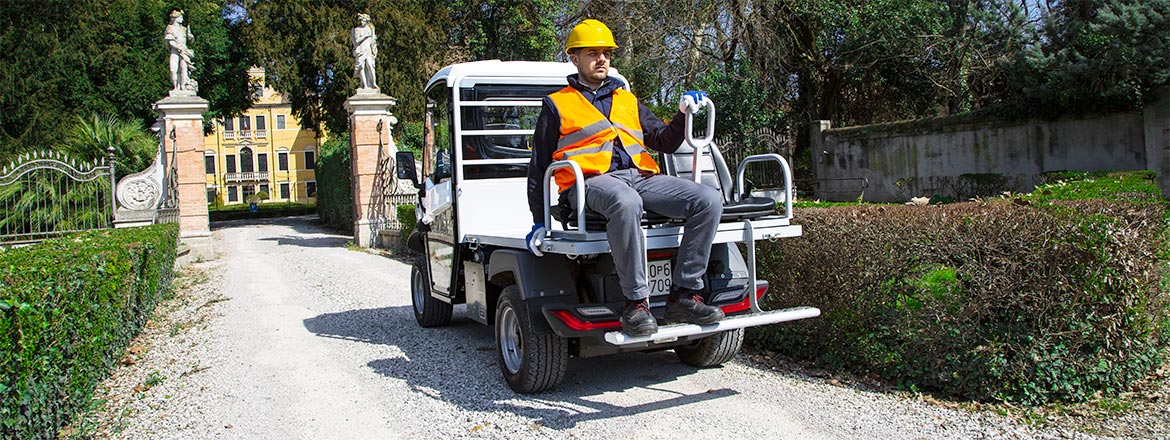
[[177, 37], [365, 50]]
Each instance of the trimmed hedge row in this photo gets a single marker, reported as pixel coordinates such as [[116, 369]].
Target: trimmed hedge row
[[1000, 301], [68, 307], [266, 210]]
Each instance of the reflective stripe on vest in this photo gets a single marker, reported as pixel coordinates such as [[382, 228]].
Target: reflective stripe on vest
[[587, 136]]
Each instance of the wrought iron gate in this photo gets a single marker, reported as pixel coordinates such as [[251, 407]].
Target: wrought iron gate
[[48, 194]]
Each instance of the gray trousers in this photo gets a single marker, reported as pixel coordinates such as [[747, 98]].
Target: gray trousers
[[623, 195]]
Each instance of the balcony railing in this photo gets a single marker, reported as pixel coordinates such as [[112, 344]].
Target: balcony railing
[[229, 135], [261, 133], [246, 177], [244, 134]]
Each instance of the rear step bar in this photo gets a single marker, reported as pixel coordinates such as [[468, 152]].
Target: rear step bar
[[668, 333]]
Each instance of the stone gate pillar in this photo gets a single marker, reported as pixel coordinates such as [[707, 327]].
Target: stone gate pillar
[[371, 153], [183, 116]]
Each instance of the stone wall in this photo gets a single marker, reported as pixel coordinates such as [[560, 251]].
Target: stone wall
[[958, 158]]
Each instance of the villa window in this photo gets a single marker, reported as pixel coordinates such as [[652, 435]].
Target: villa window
[[246, 160]]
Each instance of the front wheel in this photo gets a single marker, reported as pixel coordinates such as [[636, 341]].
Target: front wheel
[[531, 363], [712, 350], [428, 311]]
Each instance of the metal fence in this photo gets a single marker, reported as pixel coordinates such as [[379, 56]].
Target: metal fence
[[396, 200], [762, 175], [48, 194]]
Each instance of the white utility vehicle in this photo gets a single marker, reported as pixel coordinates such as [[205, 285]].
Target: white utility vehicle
[[480, 118]]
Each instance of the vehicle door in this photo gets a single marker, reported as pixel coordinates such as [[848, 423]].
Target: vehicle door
[[440, 212]]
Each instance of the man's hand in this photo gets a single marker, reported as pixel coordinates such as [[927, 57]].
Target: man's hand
[[692, 101], [535, 238]]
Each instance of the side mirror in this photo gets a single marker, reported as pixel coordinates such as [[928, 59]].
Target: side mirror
[[404, 167]]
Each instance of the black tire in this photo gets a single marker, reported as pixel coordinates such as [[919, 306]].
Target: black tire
[[712, 350], [428, 311], [530, 363]]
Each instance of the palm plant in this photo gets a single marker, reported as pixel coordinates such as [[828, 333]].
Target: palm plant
[[90, 138], [49, 201]]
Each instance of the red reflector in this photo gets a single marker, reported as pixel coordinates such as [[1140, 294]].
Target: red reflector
[[576, 324], [761, 289], [659, 255]]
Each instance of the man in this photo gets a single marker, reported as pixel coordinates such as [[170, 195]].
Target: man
[[599, 125]]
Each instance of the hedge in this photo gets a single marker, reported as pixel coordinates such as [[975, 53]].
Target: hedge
[[999, 301], [334, 193], [68, 308], [264, 210]]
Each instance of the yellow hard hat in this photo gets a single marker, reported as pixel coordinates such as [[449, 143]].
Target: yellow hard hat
[[590, 33]]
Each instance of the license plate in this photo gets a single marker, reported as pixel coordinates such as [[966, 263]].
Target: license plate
[[658, 277]]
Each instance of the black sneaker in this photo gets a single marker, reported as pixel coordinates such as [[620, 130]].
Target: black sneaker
[[637, 320], [685, 305]]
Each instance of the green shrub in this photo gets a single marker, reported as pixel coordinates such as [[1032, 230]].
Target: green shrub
[[1006, 301], [263, 210], [68, 307], [410, 137], [406, 217], [334, 194]]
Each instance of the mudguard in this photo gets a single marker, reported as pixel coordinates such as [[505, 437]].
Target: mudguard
[[540, 280], [415, 242]]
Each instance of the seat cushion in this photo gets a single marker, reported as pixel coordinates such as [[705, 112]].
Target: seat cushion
[[595, 221], [748, 208]]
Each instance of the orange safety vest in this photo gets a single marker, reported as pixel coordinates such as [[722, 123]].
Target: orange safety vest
[[587, 136]]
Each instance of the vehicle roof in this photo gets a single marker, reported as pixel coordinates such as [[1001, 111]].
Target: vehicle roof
[[508, 69]]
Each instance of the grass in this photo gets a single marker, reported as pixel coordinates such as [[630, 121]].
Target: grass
[[1127, 186], [154, 378], [1124, 186]]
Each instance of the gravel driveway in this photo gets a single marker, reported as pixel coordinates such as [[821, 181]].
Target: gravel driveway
[[292, 335]]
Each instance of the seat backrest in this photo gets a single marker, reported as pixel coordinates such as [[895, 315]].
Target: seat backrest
[[712, 166]]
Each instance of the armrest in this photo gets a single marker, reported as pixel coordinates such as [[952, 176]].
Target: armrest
[[578, 184], [739, 185]]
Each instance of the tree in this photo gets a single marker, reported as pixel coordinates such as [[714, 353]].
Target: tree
[[58, 60], [305, 48], [1093, 54], [505, 29]]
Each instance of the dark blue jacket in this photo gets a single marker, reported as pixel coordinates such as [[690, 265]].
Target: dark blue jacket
[[656, 134]]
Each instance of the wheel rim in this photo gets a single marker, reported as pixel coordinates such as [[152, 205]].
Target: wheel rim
[[417, 291], [511, 343]]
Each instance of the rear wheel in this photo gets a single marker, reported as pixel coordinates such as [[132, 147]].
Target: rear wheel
[[712, 350], [428, 311], [530, 363]]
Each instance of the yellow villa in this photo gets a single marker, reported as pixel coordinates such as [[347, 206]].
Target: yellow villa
[[262, 150]]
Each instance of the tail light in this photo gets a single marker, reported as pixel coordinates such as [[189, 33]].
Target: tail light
[[761, 289]]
